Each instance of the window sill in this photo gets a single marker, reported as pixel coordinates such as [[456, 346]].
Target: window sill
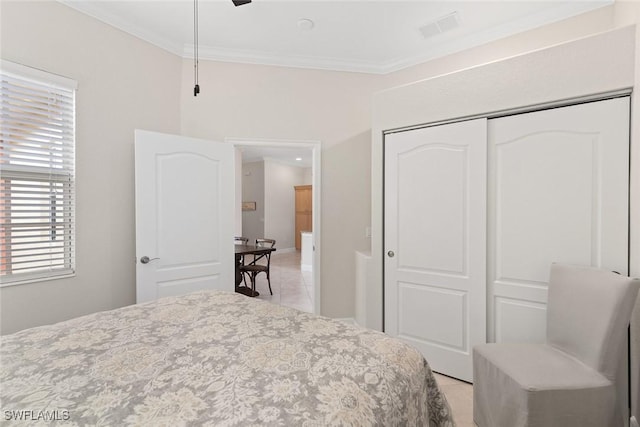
[[36, 280]]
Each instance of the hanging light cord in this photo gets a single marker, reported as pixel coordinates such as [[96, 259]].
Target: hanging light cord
[[196, 88]]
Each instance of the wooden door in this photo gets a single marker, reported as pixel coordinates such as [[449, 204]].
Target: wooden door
[[184, 215], [435, 242], [304, 211]]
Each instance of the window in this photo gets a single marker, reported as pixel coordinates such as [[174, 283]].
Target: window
[[37, 182]]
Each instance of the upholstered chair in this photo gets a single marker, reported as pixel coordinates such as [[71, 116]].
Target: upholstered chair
[[570, 380]]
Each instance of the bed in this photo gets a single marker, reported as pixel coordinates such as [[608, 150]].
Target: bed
[[215, 359]]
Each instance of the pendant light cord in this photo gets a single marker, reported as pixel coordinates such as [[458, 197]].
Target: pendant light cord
[[196, 88]]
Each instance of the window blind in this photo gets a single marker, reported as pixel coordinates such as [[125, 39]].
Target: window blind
[[37, 181]]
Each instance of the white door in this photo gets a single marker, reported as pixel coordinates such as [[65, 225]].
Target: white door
[[435, 242], [184, 215], [558, 188]]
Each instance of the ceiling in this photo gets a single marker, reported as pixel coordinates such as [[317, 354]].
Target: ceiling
[[370, 36], [286, 155]]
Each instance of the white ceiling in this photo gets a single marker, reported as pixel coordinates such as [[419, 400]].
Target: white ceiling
[[371, 36], [286, 155]]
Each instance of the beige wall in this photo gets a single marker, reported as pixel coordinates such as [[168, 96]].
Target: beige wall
[[238, 192], [253, 191], [270, 184], [308, 176], [580, 26], [123, 84], [279, 195]]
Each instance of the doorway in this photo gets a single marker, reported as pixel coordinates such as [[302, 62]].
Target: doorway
[[283, 152]]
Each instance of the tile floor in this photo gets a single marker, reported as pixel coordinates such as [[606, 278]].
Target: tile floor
[[460, 397], [291, 287], [294, 288]]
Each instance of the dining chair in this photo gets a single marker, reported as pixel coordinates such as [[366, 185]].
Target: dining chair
[[570, 380], [252, 269], [239, 240]]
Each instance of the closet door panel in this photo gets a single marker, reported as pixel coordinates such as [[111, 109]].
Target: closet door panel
[[435, 242], [558, 188], [438, 173], [546, 204]]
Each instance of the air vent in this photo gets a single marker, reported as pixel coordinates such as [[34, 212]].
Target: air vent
[[443, 24]]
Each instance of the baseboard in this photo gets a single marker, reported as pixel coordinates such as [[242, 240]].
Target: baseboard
[[284, 251], [306, 267]]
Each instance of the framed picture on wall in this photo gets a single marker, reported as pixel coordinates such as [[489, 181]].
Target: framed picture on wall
[[248, 206]]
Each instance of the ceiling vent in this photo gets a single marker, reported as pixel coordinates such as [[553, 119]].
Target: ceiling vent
[[444, 24]]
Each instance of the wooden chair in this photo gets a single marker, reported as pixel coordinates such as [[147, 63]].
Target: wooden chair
[[239, 240], [252, 269]]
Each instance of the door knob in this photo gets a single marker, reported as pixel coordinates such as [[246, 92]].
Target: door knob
[[391, 254], [146, 260]]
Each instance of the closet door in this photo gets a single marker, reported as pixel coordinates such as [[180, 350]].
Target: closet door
[[558, 192], [435, 242]]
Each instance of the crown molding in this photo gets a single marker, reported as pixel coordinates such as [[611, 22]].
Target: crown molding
[[262, 58], [93, 9], [432, 50], [549, 16]]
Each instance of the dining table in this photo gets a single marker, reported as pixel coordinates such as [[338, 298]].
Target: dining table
[[241, 251]]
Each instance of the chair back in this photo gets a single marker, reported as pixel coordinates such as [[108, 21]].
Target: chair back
[[588, 313], [266, 243], [238, 240]]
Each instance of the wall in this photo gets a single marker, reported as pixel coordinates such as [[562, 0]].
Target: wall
[[279, 194], [123, 84], [253, 191], [307, 178], [265, 102], [549, 35], [238, 192]]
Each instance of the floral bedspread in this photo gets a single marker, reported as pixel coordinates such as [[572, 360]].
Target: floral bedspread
[[214, 359]]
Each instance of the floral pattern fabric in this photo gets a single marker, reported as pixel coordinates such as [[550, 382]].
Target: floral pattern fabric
[[215, 359]]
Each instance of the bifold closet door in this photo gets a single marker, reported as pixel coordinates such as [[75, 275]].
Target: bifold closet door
[[435, 242], [558, 192]]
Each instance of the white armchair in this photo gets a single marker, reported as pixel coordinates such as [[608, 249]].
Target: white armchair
[[570, 380]]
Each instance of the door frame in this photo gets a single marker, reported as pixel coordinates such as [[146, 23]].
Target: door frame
[[316, 148]]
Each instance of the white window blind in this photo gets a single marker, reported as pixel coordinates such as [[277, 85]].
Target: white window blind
[[37, 181]]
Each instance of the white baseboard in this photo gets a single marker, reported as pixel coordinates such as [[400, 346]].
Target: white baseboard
[[284, 251]]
